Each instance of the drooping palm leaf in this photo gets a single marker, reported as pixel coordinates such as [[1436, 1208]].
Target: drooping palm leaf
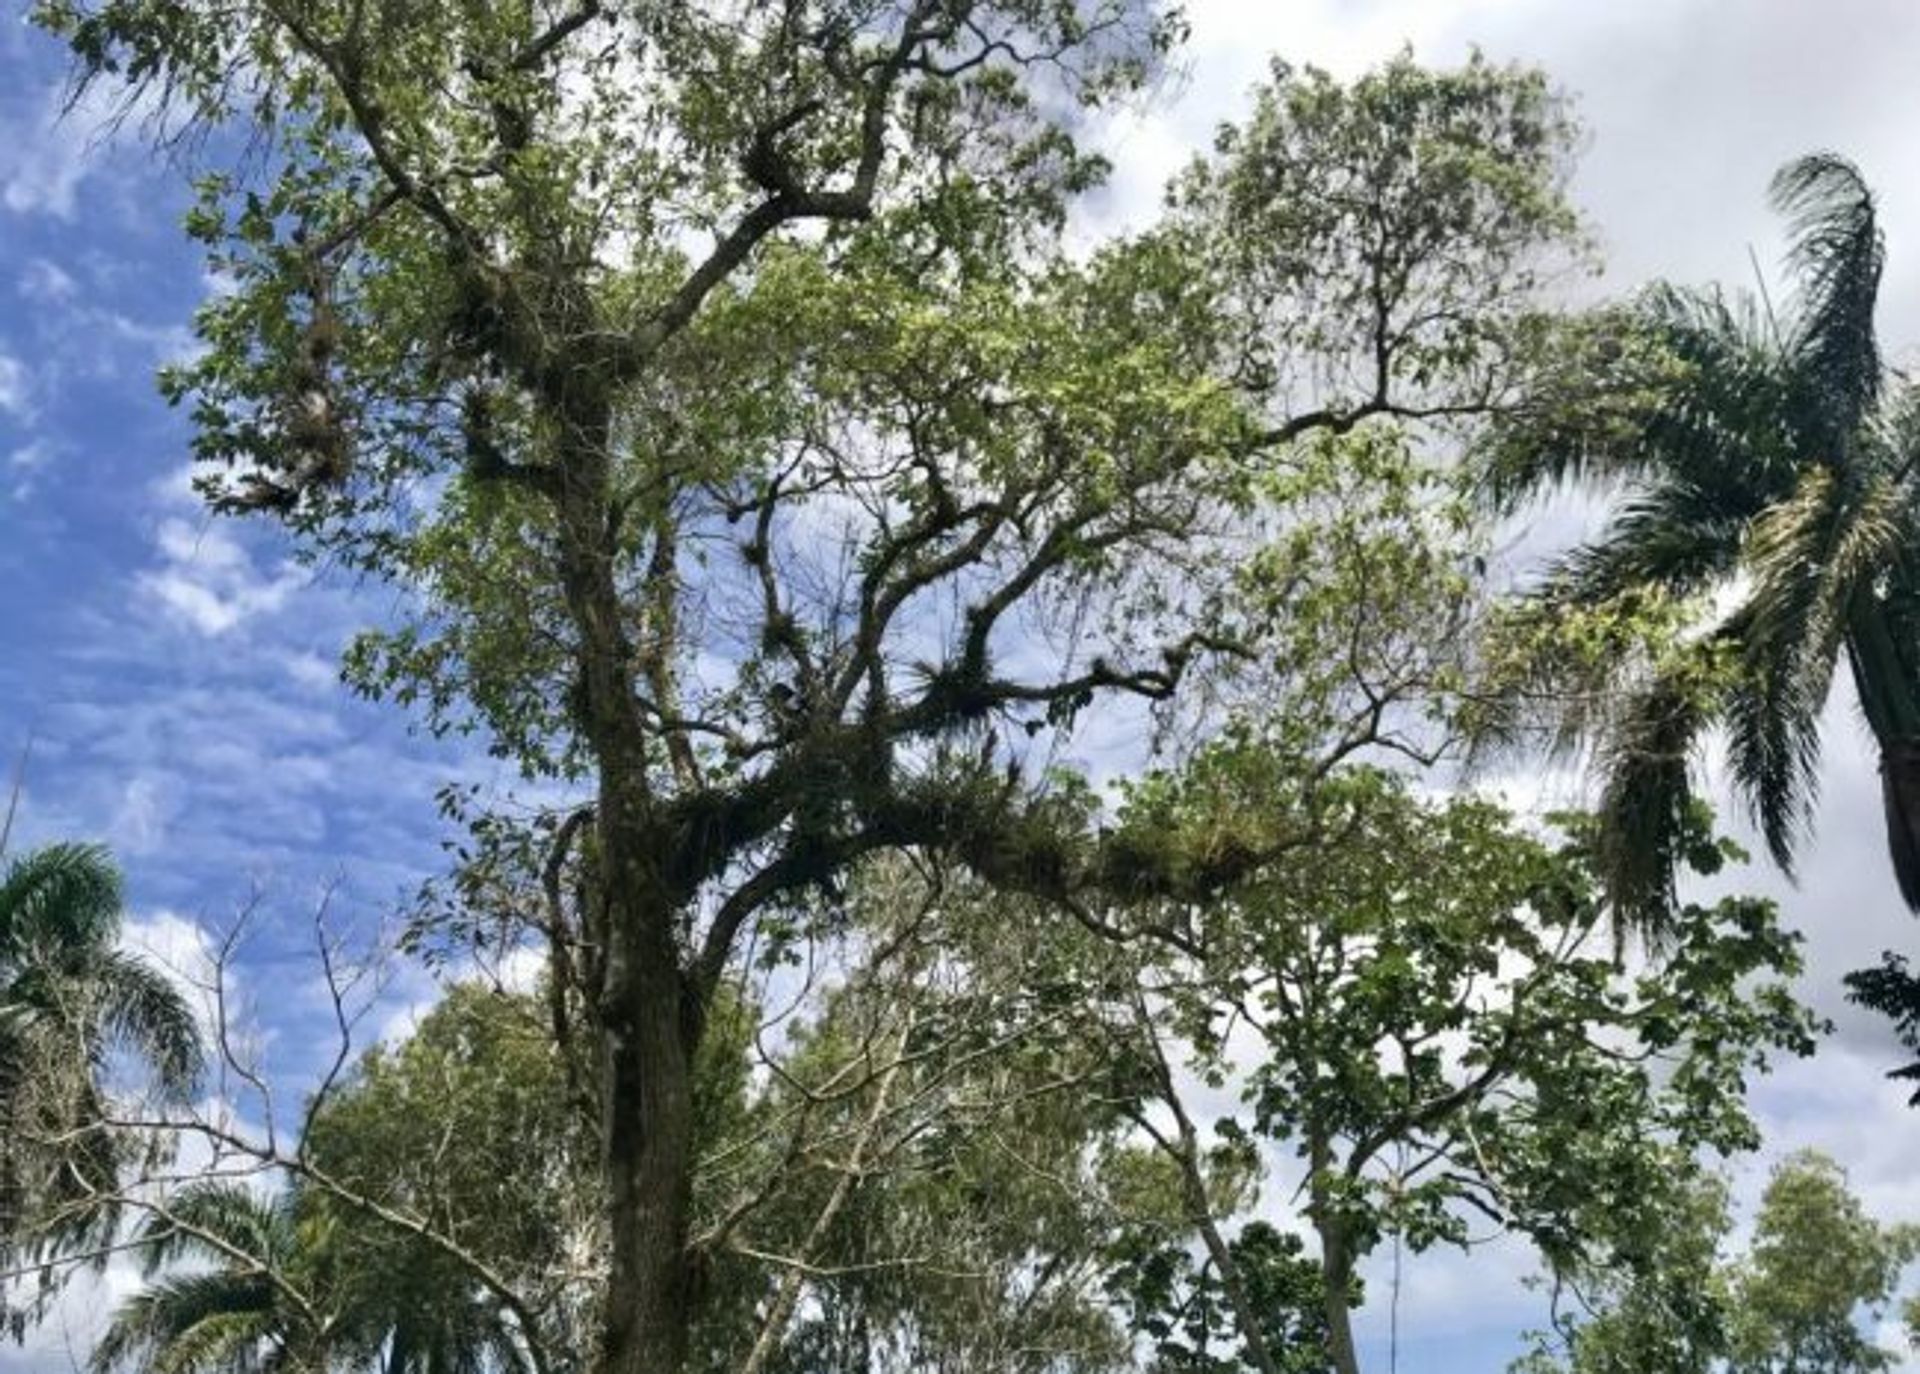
[[1804, 558], [143, 1011], [1673, 536], [1681, 386], [1647, 805], [1838, 255], [190, 1323], [1764, 466], [221, 1221]]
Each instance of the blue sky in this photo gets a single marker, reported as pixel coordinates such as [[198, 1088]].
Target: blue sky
[[177, 673]]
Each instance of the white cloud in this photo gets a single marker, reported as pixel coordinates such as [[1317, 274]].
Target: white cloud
[[47, 283], [49, 151], [209, 582], [41, 168], [15, 388], [24, 465], [139, 824], [31, 457], [178, 945], [519, 970], [311, 671], [166, 344]]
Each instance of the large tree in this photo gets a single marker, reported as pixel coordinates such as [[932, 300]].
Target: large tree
[[716, 379], [1768, 497]]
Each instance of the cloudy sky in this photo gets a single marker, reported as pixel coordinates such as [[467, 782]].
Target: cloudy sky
[[177, 676]]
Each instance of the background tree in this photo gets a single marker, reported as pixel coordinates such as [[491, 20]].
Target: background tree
[[427, 1224], [1818, 1269], [1179, 1305], [1660, 1302], [1429, 1007], [72, 1002], [1817, 1263], [754, 538], [1769, 497], [467, 1130], [926, 1181]]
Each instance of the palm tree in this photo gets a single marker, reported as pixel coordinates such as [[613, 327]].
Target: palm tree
[[296, 1283], [70, 1001], [239, 1312], [1769, 488]]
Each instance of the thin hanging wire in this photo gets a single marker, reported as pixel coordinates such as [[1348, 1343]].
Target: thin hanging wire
[[1393, 1307], [13, 798]]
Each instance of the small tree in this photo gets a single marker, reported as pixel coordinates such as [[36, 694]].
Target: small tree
[[1431, 1009], [1817, 1263], [1659, 1301]]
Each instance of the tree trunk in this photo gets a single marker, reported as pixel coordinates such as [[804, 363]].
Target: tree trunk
[[1883, 680], [648, 1159], [1336, 1278], [1900, 795], [643, 1014], [1245, 1318], [1336, 1261]]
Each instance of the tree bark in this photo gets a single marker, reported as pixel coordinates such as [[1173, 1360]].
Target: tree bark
[[1245, 1318], [1336, 1279], [1336, 1263], [1900, 796], [643, 1012], [648, 1153]]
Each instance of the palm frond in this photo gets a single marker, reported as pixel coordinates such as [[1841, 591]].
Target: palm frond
[[1706, 401], [1647, 809], [142, 1009], [1838, 254], [64, 893], [1671, 535], [189, 1323], [1812, 559], [217, 1220]]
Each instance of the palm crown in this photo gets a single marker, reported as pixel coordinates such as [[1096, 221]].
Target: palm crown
[[1768, 486]]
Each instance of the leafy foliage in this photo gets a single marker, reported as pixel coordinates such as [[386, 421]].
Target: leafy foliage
[[1895, 993], [1434, 1016], [1792, 1304]]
